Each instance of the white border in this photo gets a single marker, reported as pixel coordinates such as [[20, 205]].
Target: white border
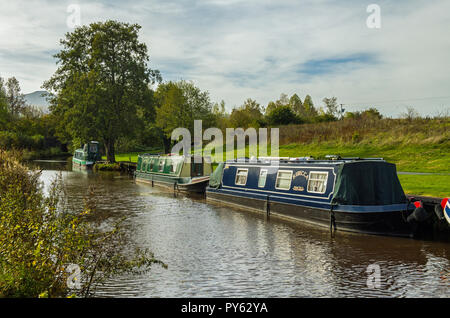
[[259, 177], [290, 182], [309, 179], [246, 176]]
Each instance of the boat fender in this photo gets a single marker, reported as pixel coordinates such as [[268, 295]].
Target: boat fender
[[439, 212], [445, 204], [419, 214]]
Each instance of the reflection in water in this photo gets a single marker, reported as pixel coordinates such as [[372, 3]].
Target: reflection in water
[[214, 251]]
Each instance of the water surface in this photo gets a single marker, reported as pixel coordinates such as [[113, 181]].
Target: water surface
[[214, 251]]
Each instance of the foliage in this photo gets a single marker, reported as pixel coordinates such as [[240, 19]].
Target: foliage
[[23, 126], [371, 113], [107, 167], [310, 110], [331, 106], [410, 114], [178, 105], [296, 105], [16, 101], [40, 238], [247, 115], [282, 115], [101, 83]]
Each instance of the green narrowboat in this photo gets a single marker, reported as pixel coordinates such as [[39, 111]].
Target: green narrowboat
[[87, 156], [180, 173]]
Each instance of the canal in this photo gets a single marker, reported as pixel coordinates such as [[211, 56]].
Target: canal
[[213, 251]]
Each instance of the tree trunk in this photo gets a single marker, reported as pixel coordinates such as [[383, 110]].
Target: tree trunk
[[110, 153], [167, 143]]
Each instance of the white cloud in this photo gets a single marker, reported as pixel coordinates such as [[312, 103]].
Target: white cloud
[[240, 49]]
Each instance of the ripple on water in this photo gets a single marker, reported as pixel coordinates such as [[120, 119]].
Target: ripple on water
[[214, 251]]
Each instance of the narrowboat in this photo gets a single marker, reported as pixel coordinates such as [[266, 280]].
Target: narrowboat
[[180, 173], [87, 156], [344, 194]]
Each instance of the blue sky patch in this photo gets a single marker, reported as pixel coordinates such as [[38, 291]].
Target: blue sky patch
[[331, 65]]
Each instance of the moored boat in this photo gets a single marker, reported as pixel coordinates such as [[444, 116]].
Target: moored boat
[[179, 173], [87, 156], [345, 194]]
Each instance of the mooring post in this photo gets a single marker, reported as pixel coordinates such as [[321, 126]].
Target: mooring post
[[175, 189]]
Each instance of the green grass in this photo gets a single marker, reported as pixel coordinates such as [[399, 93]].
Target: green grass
[[133, 156], [410, 158], [429, 158], [427, 185]]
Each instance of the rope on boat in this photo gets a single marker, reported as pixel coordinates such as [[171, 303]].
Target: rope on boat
[[268, 205], [406, 210]]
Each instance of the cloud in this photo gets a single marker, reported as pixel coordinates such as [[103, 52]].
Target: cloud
[[259, 49]]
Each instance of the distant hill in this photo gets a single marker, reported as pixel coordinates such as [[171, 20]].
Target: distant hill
[[37, 99]]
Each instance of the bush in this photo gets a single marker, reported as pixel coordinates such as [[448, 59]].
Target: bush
[[13, 140], [282, 115], [6, 139], [107, 167], [40, 240]]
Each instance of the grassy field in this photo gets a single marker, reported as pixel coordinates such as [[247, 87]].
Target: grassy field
[[430, 185], [414, 145]]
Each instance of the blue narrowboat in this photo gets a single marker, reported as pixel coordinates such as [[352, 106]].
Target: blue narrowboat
[[346, 194]]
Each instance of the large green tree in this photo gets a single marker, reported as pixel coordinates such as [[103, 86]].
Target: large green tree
[[308, 105], [101, 83], [3, 106], [178, 105], [282, 115], [248, 115], [296, 105], [15, 98]]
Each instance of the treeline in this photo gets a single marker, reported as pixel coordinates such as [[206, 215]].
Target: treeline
[[104, 90], [23, 126]]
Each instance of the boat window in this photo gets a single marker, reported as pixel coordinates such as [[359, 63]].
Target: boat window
[[175, 165], [317, 182], [284, 178], [161, 164], [241, 176], [144, 165], [139, 164], [169, 164], [150, 168], [93, 148], [262, 178]]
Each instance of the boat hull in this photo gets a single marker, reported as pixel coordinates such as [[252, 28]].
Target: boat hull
[[82, 164], [194, 185], [391, 223]]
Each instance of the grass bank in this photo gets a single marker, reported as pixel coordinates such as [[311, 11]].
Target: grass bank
[[414, 145]]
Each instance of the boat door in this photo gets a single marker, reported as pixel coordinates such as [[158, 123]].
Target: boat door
[[196, 167]]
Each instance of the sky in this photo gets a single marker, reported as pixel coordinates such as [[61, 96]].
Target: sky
[[239, 49]]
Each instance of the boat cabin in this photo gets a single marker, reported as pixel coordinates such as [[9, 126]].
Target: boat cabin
[[365, 193], [88, 155], [190, 173]]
